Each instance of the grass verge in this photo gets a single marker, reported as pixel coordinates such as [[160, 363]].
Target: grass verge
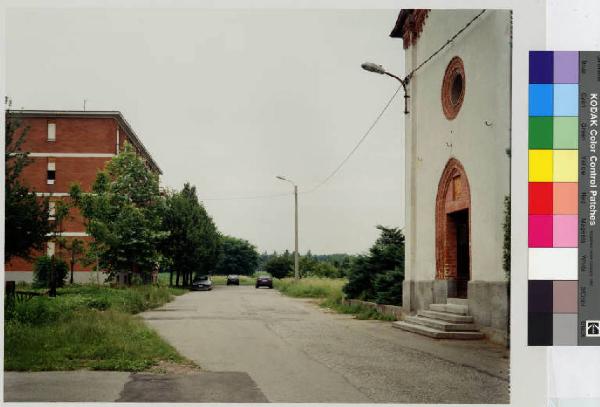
[[87, 327], [329, 291]]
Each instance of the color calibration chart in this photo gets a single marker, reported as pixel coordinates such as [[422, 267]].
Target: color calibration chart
[[564, 274]]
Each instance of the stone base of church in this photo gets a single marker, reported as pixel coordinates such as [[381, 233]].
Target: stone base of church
[[488, 302]]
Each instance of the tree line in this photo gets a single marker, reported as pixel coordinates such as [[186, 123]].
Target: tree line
[[135, 228]]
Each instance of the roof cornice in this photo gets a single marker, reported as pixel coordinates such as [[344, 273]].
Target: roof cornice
[[114, 114]]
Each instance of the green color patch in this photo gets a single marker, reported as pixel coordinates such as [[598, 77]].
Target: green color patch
[[540, 133], [565, 132]]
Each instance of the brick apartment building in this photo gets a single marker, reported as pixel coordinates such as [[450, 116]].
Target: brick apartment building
[[67, 147]]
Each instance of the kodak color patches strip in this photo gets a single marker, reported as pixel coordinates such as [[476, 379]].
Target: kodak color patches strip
[[563, 234]]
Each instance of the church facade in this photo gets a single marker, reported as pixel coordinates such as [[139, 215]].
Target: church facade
[[457, 167]]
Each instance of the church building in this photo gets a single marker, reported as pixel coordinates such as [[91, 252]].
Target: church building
[[457, 169]]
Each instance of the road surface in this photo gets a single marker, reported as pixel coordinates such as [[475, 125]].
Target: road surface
[[297, 352]]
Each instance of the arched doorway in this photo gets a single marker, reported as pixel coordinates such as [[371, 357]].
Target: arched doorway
[[453, 229]]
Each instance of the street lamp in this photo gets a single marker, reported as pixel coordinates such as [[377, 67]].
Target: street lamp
[[296, 271], [371, 67]]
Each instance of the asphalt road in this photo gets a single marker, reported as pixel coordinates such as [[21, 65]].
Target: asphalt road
[[95, 386], [296, 352]]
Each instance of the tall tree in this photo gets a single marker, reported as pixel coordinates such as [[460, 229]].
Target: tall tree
[[192, 244], [280, 266], [237, 256], [123, 215], [26, 224], [379, 275], [75, 250]]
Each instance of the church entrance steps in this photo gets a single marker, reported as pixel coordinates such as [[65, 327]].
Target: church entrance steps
[[451, 308], [458, 301], [440, 324], [436, 333], [443, 321], [466, 319]]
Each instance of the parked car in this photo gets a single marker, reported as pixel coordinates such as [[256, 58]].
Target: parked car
[[233, 279], [202, 283], [264, 281]]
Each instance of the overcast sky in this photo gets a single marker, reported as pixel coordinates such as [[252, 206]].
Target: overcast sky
[[227, 99]]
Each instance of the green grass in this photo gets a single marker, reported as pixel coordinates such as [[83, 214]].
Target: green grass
[[87, 327], [310, 287], [329, 290], [222, 280], [360, 311]]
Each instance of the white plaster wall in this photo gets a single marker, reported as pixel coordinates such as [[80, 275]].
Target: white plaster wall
[[80, 277], [485, 51]]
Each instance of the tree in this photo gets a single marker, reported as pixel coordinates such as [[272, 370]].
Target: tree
[[26, 224], [307, 264], [192, 244], [75, 250], [379, 275], [49, 271], [237, 256], [280, 266], [123, 215], [61, 212]]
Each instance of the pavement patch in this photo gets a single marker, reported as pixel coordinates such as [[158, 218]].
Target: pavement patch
[[202, 387]]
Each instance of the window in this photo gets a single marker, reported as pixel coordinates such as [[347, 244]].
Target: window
[[453, 88], [51, 173], [52, 210], [51, 131], [50, 250]]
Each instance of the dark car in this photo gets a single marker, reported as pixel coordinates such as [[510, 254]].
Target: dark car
[[233, 279], [264, 281], [202, 283]]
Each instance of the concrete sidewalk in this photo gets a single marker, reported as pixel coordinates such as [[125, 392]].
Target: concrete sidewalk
[[97, 386]]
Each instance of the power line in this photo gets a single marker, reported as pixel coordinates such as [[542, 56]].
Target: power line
[[448, 42], [339, 167], [235, 198], [326, 179]]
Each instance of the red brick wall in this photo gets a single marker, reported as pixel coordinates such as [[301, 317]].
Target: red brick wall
[[454, 194], [68, 171], [73, 135], [18, 264]]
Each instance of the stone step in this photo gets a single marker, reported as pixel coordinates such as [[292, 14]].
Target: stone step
[[435, 333], [445, 316], [452, 308], [458, 301], [441, 325]]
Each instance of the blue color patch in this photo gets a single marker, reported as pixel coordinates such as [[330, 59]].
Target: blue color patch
[[565, 99], [541, 66], [541, 100]]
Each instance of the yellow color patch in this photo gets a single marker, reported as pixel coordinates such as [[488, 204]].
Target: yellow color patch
[[565, 166], [540, 165]]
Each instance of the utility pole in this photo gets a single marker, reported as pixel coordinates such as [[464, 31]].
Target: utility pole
[[296, 269], [296, 262]]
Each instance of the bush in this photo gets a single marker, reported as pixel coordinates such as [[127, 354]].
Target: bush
[[43, 268], [360, 284], [369, 278], [388, 287], [100, 303], [280, 266]]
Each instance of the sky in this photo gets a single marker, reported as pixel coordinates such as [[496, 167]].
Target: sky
[[228, 99]]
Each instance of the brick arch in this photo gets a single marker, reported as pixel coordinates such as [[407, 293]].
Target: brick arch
[[454, 195]]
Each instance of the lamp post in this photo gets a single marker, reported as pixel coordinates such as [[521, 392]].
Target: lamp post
[[371, 67], [296, 271]]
